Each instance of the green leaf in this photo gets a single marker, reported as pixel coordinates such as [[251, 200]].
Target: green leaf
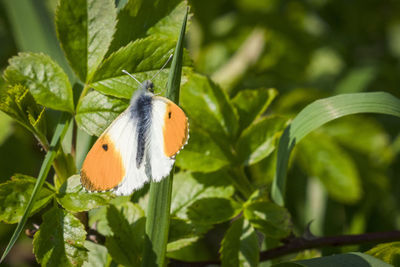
[[14, 196], [124, 86], [213, 210], [321, 157], [230, 245], [344, 260], [59, 134], [85, 29], [240, 245], [189, 187], [73, 197], [159, 205], [250, 104], [148, 17], [141, 55], [96, 112], [182, 233], [320, 112], [208, 106], [97, 255], [259, 140], [60, 240], [45, 79], [19, 104], [269, 218], [388, 252], [127, 223], [169, 26], [202, 153], [98, 216]]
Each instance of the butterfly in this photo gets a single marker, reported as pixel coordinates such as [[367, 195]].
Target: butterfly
[[139, 146]]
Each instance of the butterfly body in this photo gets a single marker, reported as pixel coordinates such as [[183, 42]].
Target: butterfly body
[[138, 147]]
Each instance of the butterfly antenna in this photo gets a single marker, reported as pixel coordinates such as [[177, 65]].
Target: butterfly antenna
[[133, 77], [165, 64]]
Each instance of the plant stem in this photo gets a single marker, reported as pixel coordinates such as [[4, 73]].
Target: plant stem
[[299, 244]]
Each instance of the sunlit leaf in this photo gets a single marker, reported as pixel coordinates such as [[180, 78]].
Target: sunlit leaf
[[85, 29], [73, 197], [96, 112], [250, 104], [45, 79], [388, 252], [60, 240], [127, 224], [15, 194]]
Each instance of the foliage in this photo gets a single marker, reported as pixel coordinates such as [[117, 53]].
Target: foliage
[[238, 189]]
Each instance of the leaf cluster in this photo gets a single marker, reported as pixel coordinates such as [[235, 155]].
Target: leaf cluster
[[230, 186]]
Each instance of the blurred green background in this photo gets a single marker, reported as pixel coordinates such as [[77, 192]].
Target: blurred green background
[[345, 176]]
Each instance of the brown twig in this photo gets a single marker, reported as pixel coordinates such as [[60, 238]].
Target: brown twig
[[300, 243]]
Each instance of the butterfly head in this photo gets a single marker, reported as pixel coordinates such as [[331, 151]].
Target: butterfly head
[[148, 86]]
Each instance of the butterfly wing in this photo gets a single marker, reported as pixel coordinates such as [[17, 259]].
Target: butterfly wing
[[110, 164], [169, 133]]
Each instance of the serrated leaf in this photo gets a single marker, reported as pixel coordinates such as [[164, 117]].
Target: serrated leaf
[[85, 29], [213, 210], [259, 140], [124, 86], [142, 58], [96, 111], [321, 157], [127, 224], [320, 112], [388, 252], [189, 187], [344, 260], [240, 245], [208, 106], [250, 104], [15, 194], [60, 240], [137, 18], [19, 104], [73, 197], [56, 140], [269, 218], [182, 233], [97, 255], [98, 216], [45, 79], [140, 55], [202, 153]]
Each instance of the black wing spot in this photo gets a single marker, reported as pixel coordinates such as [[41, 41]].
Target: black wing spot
[[169, 115], [105, 147]]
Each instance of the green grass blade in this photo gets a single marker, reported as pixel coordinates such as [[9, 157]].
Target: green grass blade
[[157, 222], [59, 134], [317, 114]]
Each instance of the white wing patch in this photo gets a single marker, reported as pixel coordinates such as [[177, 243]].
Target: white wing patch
[[161, 165], [124, 135]]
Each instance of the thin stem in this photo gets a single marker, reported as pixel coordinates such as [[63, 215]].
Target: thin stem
[[74, 136], [299, 244]]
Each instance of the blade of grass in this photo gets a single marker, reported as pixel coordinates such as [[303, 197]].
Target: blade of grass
[[317, 114], [59, 134], [157, 222]]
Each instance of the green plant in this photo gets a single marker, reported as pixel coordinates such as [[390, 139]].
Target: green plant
[[225, 175]]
